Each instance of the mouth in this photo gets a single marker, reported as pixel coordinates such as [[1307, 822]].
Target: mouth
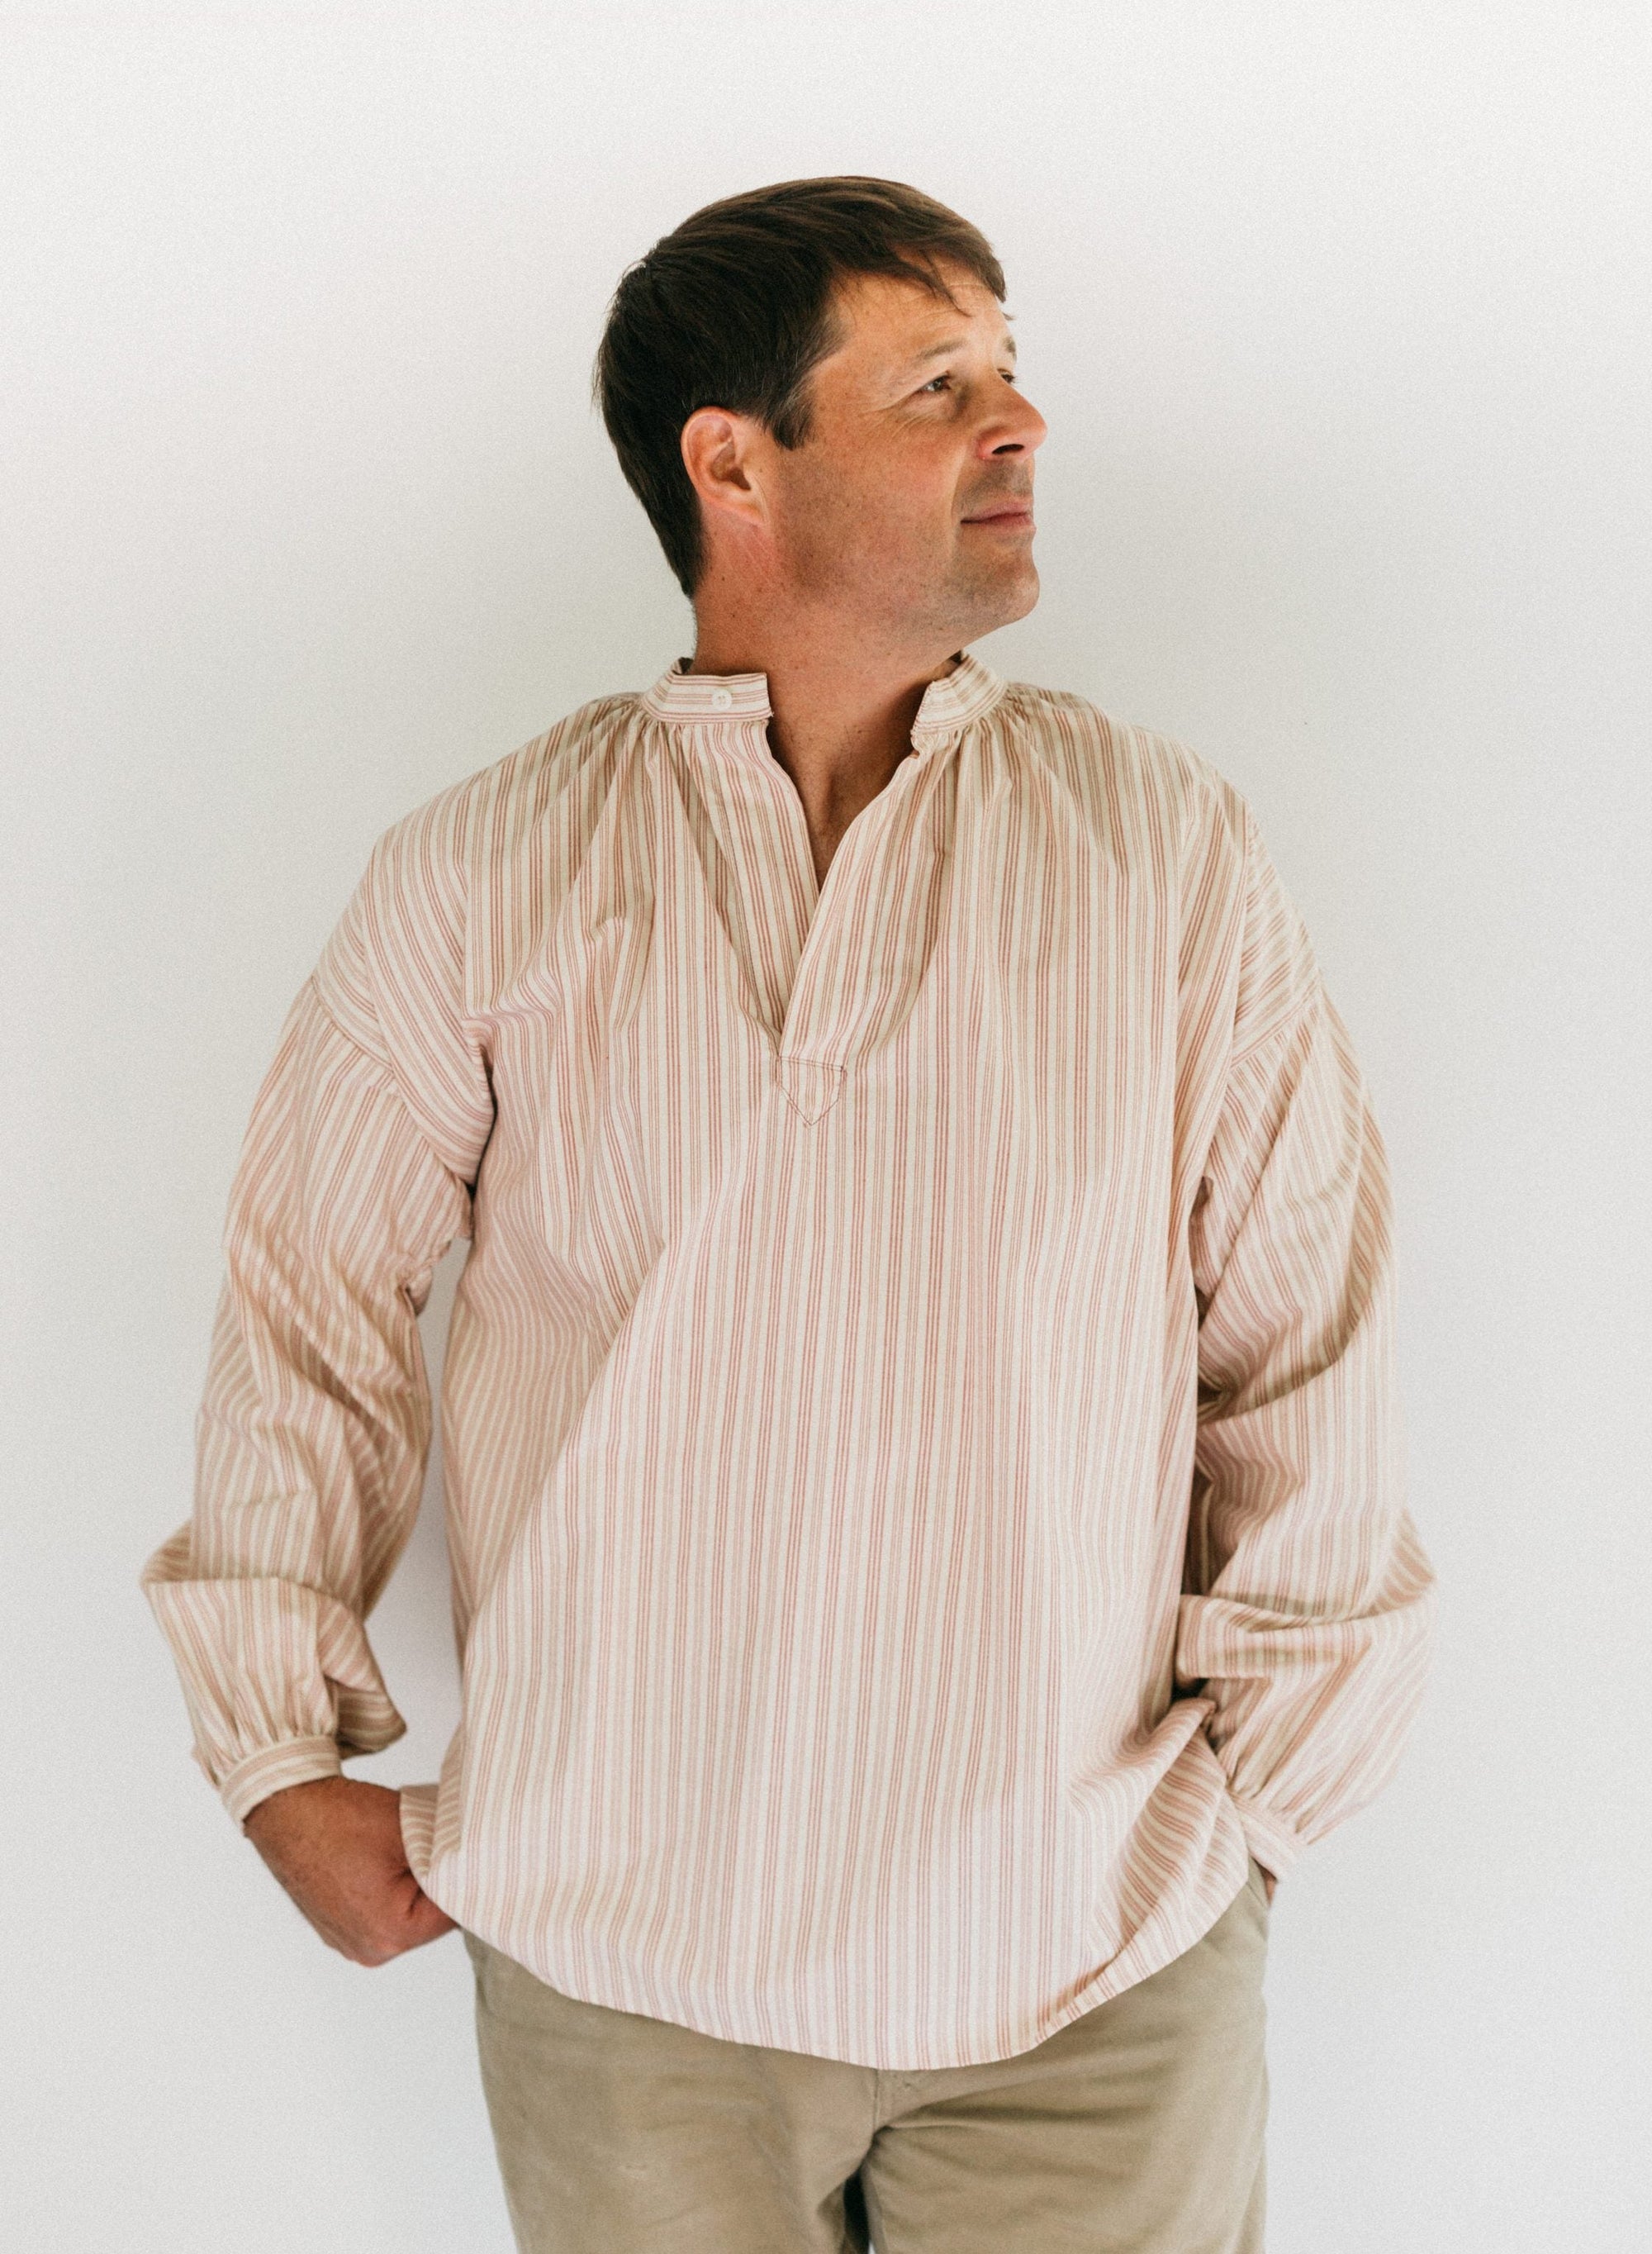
[[1014, 516]]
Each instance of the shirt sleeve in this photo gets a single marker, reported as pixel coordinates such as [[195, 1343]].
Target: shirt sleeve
[[1308, 1601], [315, 1423]]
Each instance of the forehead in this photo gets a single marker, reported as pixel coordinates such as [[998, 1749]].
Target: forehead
[[885, 322]]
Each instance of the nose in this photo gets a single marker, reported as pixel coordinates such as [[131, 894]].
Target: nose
[[1018, 428]]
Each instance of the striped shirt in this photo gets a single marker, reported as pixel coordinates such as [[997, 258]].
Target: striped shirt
[[922, 1466]]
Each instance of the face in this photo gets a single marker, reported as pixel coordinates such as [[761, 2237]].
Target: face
[[907, 511]]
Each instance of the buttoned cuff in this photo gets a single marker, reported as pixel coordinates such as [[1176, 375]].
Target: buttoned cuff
[[294, 1761], [1268, 1837]]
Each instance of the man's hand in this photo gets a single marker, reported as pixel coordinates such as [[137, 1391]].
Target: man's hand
[[1269, 1882], [336, 1847]]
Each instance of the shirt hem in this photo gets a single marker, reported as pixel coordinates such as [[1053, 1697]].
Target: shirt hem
[[1167, 1933]]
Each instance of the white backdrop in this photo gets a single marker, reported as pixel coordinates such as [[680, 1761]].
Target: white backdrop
[[1340, 318]]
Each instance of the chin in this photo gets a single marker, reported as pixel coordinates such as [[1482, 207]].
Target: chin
[[1002, 605], [1026, 594]]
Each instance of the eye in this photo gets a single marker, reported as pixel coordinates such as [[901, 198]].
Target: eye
[[938, 383]]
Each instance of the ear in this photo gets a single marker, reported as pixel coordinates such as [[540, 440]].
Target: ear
[[722, 454]]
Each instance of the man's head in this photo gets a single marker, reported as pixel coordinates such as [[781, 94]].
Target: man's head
[[810, 390]]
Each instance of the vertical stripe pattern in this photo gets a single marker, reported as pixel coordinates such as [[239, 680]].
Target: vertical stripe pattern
[[922, 1462]]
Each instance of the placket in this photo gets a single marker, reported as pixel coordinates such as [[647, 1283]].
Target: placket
[[835, 966]]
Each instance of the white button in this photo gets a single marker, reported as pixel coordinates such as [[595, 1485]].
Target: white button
[[720, 700]]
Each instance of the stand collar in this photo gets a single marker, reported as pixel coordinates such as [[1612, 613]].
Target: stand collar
[[949, 705]]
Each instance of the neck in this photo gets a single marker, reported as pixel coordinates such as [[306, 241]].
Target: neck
[[843, 696]]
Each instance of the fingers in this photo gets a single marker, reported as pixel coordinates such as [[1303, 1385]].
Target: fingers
[[336, 1847], [428, 1922], [376, 1944], [405, 1919], [417, 1918]]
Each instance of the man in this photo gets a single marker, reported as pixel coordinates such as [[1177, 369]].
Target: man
[[927, 1542]]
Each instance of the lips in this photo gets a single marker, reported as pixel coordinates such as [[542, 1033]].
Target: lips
[[1017, 511]]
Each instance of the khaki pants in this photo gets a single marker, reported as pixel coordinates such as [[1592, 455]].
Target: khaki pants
[[1137, 2129]]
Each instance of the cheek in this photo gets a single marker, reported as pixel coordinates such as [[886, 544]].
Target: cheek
[[876, 519], [897, 522]]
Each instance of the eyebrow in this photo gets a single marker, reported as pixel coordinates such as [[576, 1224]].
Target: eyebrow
[[952, 344]]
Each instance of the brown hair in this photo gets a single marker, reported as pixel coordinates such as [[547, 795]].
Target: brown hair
[[732, 309]]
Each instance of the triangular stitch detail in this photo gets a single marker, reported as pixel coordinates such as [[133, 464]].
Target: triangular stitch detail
[[810, 1087]]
